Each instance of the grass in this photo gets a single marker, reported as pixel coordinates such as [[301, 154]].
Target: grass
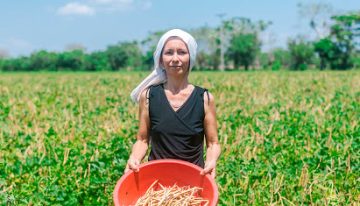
[[288, 138]]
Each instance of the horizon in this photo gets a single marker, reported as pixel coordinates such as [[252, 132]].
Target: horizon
[[95, 24]]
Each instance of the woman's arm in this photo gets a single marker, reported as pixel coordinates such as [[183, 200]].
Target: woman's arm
[[212, 144], [140, 147]]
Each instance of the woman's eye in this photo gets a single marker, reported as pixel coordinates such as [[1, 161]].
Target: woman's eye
[[181, 52]]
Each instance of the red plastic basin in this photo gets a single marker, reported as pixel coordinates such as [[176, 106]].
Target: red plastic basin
[[133, 185]]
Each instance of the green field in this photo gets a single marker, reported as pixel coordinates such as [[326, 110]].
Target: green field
[[288, 138]]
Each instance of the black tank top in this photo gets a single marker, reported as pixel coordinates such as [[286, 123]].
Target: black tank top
[[177, 134]]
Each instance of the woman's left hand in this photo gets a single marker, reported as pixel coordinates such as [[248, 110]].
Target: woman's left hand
[[210, 168]]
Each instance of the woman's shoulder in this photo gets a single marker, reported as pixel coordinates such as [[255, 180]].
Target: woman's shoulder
[[205, 94], [203, 90], [155, 86], [199, 87], [150, 91]]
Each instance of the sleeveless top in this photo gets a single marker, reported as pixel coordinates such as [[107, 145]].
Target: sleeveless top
[[177, 134]]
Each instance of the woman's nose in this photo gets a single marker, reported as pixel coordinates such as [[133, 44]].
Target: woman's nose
[[175, 58]]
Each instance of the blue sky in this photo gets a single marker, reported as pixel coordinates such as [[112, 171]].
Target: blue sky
[[27, 26]]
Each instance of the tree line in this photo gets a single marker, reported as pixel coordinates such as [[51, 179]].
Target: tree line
[[234, 44]]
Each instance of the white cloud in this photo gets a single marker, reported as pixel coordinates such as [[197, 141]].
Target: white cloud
[[75, 8]]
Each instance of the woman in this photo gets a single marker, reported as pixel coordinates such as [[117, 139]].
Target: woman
[[174, 115]]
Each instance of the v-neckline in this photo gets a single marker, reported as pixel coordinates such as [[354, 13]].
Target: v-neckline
[[185, 102]]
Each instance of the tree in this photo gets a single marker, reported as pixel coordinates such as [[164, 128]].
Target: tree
[[236, 26], [337, 50], [117, 57], [214, 43], [346, 36], [356, 60], [301, 53], [17, 64], [275, 59], [326, 50], [243, 49], [97, 61], [43, 60], [124, 55], [282, 57], [73, 60], [134, 55]]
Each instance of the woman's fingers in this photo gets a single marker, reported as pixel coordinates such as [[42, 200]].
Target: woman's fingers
[[209, 169], [132, 164], [206, 170]]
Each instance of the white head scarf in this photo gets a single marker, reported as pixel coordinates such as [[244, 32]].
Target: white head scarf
[[158, 75]]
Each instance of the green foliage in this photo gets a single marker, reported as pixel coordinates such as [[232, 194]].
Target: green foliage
[[234, 42], [276, 65], [356, 60], [148, 60], [65, 140], [337, 50], [117, 57], [275, 59], [21, 63], [43, 60], [123, 55], [241, 38], [97, 61], [282, 56], [243, 49], [346, 35], [287, 138], [301, 53], [207, 61], [326, 50], [126, 55], [71, 60]]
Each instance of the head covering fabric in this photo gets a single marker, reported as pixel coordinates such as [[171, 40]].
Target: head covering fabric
[[158, 75]]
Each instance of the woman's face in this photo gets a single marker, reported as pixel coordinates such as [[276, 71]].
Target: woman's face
[[175, 57]]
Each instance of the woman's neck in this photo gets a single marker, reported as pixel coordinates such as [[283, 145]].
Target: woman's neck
[[175, 85]]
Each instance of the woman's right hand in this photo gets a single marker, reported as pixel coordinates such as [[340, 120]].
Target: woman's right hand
[[132, 164]]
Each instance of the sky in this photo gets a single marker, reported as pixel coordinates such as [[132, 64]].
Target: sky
[[53, 25]]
